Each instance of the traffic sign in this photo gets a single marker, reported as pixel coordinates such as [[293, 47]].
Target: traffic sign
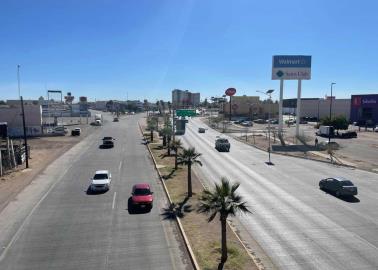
[[230, 92], [186, 112]]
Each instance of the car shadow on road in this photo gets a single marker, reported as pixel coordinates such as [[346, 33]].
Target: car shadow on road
[[349, 199], [89, 191], [136, 210], [294, 148]]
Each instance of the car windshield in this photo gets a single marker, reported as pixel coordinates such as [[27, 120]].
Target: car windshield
[[223, 140], [107, 138], [142, 191], [346, 183], [100, 176]]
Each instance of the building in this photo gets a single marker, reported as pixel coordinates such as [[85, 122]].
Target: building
[[250, 107], [12, 115], [185, 99], [364, 109], [318, 107], [100, 105]]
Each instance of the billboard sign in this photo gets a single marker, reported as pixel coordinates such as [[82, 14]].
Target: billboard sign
[[291, 67], [230, 92]]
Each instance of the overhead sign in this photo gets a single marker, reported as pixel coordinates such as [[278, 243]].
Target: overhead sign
[[230, 92], [186, 112], [291, 67]]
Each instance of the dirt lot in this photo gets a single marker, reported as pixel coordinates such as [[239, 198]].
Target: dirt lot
[[43, 151]]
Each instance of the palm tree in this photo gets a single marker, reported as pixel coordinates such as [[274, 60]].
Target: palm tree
[[189, 157], [151, 125], [222, 200], [176, 145], [166, 132]]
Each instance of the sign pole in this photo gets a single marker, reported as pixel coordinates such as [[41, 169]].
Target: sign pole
[[298, 112], [230, 107], [280, 116]]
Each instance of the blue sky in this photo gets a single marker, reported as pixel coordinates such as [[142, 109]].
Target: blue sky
[[146, 48]]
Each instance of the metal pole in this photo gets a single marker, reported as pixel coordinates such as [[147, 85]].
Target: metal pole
[[330, 114], [298, 108], [230, 108], [25, 137], [270, 106], [18, 79], [280, 116]]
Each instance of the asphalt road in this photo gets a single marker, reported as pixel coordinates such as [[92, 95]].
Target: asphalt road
[[55, 224], [297, 225]]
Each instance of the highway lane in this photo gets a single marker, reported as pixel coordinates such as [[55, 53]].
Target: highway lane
[[295, 223], [70, 229]]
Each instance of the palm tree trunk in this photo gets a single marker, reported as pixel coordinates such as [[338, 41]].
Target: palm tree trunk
[[224, 239], [164, 140], [176, 159], [169, 147], [152, 135], [190, 192]]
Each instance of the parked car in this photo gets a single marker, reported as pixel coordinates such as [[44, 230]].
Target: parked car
[[259, 121], [247, 124], [142, 196], [115, 119], [348, 134], [101, 181], [201, 130], [338, 185], [239, 121], [376, 129]]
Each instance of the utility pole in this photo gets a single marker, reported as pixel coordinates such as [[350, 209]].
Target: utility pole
[[18, 79], [330, 115], [269, 94], [25, 137]]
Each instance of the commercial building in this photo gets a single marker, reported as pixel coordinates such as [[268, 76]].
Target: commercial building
[[251, 107], [12, 115], [185, 99], [364, 109], [318, 107]]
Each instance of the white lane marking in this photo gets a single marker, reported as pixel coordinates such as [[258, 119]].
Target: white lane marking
[[114, 197], [120, 165]]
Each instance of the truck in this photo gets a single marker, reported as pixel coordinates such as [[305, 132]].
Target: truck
[[222, 145], [98, 116], [326, 131]]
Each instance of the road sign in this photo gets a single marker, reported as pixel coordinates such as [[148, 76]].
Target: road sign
[[291, 67], [186, 112], [230, 92]]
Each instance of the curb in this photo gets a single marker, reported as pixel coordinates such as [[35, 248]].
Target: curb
[[181, 228]]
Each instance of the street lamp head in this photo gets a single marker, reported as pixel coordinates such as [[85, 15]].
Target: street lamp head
[[333, 83], [270, 91]]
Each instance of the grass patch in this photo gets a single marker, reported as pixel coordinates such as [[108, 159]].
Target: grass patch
[[204, 237]]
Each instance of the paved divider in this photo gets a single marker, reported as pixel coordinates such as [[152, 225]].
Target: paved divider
[[181, 228]]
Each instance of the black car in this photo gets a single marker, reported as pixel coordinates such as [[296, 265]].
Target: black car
[[107, 144], [338, 185]]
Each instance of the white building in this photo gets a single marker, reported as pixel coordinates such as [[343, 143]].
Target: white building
[[185, 99], [13, 117]]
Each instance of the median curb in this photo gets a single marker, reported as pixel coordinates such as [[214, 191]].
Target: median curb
[[181, 228]]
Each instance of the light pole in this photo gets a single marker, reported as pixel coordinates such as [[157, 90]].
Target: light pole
[[269, 94], [330, 114], [18, 80]]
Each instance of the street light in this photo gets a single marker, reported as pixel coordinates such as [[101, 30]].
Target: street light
[[330, 114], [269, 94]]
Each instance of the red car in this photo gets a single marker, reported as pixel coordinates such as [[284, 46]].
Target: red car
[[142, 196]]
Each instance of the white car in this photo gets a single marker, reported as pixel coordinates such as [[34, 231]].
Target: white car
[[101, 181]]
